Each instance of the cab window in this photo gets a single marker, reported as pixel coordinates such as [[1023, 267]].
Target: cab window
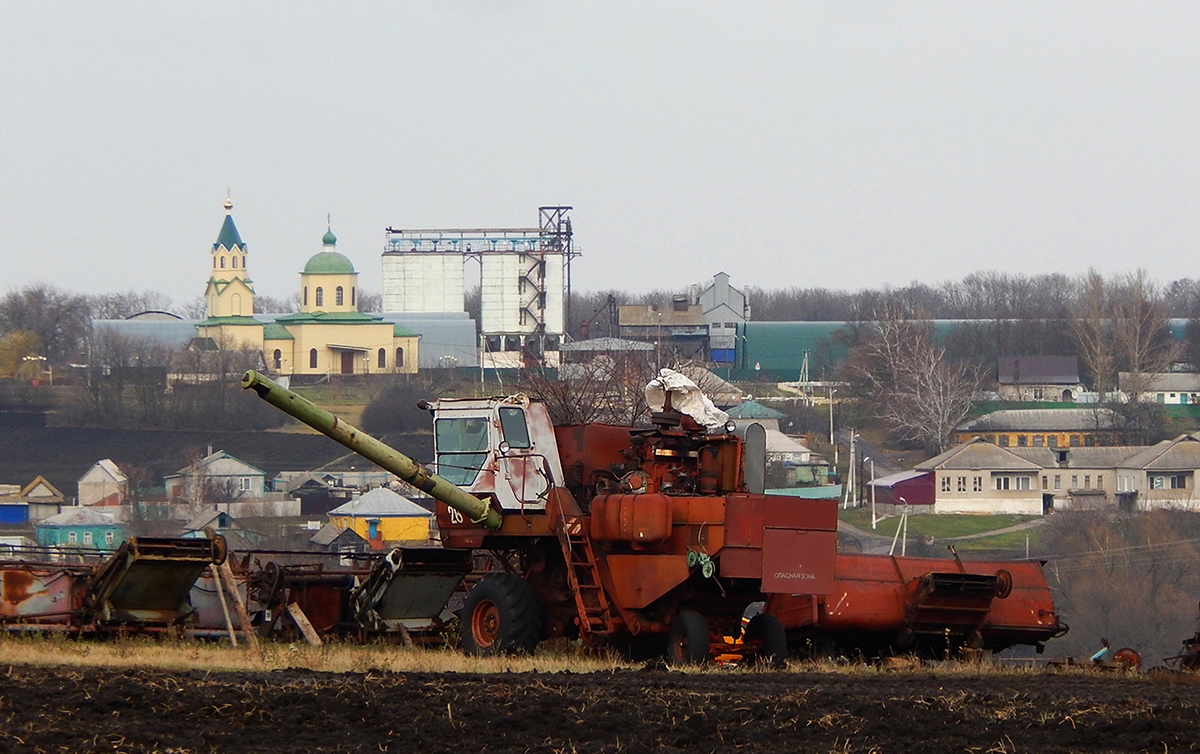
[[461, 446], [514, 428]]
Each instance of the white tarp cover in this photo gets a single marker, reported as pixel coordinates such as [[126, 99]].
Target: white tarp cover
[[686, 398]]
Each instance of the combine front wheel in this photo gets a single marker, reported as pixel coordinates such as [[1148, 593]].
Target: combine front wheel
[[501, 616], [688, 643]]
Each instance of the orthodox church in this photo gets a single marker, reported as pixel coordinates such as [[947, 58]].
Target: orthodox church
[[329, 335]]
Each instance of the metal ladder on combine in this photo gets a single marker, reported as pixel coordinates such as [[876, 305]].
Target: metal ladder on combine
[[595, 612]]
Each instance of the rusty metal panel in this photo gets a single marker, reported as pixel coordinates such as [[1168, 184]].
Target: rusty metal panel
[[744, 521], [741, 563], [41, 595], [780, 511], [798, 562], [640, 579]]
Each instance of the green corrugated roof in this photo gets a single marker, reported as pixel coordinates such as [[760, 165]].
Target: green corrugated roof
[[306, 318], [276, 331], [228, 237], [235, 320], [400, 331], [754, 410]]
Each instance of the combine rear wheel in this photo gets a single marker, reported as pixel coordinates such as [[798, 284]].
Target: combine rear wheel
[[688, 643], [766, 635], [501, 616]]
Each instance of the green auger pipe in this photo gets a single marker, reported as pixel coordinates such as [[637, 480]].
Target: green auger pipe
[[476, 510]]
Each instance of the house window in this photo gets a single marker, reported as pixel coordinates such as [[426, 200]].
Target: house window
[[320, 296], [1003, 441], [1052, 440], [1022, 440], [244, 484], [1058, 481], [72, 538], [1038, 393], [108, 539], [87, 539], [1156, 482], [312, 359], [1045, 482], [977, 485], [1099, 481], [339, 296], [1002, 482], [945, 484], [278, 358], [962, 484], [1178, 482], [1075, 441], [399, 358], [382, 358], [1087, 481], [1074, 481]]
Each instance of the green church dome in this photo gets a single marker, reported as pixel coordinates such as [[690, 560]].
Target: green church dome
[[328, 263], [329, 239]]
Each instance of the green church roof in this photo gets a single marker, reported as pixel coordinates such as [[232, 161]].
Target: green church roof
[[319, 317], [400, 331], [228, 237], [328, 263], [276, 331]]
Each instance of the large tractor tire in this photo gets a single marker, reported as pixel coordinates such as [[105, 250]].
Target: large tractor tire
[[501, 616], [688, 643], [765, 633]]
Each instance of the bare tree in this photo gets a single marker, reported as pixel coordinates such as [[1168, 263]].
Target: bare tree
[[123, 305], [907, 382], [608, 388], [1093, 333], [1140, 334], [59, 319]]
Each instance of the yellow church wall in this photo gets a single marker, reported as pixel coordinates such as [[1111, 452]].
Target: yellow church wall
[[329, 283], [233, 300], [410, 345], [369, 336], [231, 336], [286, 357], [391, 528]]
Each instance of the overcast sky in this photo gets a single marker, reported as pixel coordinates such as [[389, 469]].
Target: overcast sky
[[836, 144]]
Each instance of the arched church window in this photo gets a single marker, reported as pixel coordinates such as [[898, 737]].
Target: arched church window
[[399, 358], [340, 296], [312, 356], [222, 263], [382, 358], [278, 357], [306, 295], [234, 262], [320, 296], [352, 301]]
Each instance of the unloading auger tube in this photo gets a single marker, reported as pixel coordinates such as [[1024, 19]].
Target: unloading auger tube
[[478, 511]]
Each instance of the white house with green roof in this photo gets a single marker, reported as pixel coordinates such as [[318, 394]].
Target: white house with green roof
[[329, 335]]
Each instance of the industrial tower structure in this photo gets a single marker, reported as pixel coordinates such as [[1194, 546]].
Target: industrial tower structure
[[525, 282]]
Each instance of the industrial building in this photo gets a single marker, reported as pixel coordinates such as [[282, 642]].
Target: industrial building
[[525, 277]]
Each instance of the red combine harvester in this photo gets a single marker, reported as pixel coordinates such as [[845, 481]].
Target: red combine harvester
[[657, 538]]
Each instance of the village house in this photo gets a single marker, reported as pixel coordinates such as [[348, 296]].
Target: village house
[[382, 517], [103, 484], [1167, 388], [84, 528], [1038, 378]]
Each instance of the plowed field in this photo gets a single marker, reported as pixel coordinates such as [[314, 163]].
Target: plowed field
[[90, 709]]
